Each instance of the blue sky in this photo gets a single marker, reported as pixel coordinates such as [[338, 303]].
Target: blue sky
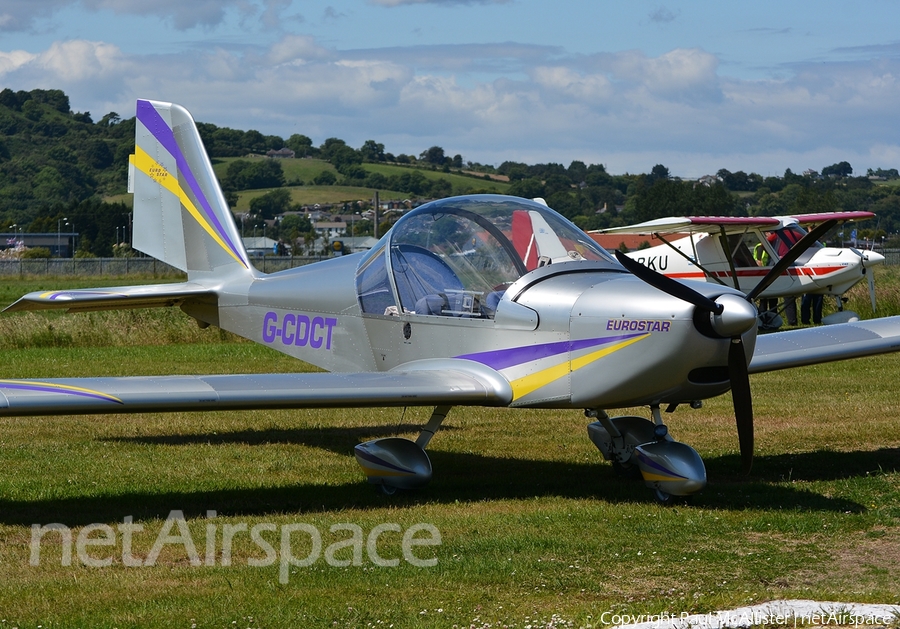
[[696, 86]]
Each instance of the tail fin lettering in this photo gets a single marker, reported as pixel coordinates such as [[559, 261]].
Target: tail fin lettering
[[180, 214]]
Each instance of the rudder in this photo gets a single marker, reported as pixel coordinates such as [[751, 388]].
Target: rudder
[[180, 214]]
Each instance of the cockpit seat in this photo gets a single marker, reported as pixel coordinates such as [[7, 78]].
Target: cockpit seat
[[431, 305]]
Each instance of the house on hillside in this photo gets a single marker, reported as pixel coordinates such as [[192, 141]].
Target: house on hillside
[[281, 153], [709, 180], [329, 229]]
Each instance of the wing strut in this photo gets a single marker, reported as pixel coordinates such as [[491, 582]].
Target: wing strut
[[729, 254], [695, 262]]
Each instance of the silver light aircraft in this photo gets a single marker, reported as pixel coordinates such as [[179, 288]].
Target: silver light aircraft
[[480, 300]]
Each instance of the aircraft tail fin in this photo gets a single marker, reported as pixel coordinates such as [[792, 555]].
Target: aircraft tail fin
[[180, 214]]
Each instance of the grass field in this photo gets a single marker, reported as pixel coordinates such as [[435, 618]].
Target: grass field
[[535, 529], [310, 195], [306, 170]]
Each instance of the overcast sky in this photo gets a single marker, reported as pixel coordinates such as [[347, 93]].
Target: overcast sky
[[695, 85]]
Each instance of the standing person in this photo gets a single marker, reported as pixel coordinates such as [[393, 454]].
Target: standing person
[[813, 303], [790, 310]]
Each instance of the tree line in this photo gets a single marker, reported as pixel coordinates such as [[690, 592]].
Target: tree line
[[58, 164]]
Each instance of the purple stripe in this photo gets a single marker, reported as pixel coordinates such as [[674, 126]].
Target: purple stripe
[[646, 460], [371, 458], [154, 123], [503, 358], [52, 389]]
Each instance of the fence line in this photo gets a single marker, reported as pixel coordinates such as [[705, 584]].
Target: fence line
[[891, 257], [128, 266], [155, 268]]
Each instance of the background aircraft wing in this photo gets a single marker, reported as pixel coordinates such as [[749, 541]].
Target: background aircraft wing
[[420, 383], [811, 346], [814, 219], [692, 224], [116, 298]]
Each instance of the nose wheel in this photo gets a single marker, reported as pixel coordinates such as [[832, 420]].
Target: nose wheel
[[664, 498], [638, 447]]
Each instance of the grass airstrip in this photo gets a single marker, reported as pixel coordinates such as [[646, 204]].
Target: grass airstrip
[[535, 529]]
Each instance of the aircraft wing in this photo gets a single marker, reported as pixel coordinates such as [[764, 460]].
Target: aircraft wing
[[692, 224], [815, 219], [87, 299], [430, 382], [810, 346]]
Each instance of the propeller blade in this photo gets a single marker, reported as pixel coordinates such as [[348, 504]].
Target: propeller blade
[[790, 257], [668, 285], [871, 273], [743, 401]]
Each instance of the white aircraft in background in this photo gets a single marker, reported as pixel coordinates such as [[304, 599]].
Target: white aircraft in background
[[740, 251]]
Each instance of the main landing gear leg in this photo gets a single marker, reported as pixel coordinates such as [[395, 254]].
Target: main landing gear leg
[[395, 463], [640, 447]]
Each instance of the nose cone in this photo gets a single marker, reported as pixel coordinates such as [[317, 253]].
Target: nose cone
[[738, 316], [870, 259]]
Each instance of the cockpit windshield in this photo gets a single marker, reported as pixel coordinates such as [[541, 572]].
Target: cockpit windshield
[[457, 256]]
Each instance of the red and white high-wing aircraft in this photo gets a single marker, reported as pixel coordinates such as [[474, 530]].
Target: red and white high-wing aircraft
[[740, 251]]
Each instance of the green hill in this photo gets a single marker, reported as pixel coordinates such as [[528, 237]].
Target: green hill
[[51, 156], [396, 182]]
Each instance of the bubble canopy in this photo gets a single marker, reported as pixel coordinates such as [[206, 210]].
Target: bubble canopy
[[457, 256]]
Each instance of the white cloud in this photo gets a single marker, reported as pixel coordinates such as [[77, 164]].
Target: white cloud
[[77, 61], [296, 49], [23, 15], [20, 15], [183, 15], [596, 88], [503, 101], [13, 60]]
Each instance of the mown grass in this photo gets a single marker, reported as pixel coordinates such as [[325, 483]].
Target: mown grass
[[310, 195], [306, 170], [462, 184], [536, 529]]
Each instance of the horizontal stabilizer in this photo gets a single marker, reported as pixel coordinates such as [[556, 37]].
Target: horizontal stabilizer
[[115, 298]]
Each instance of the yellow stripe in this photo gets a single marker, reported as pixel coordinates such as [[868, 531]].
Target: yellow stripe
[[376, 472], [527, 384], [62, 387], [660, 477], [164, 178]]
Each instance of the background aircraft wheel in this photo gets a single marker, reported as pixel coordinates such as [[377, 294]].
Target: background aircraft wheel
[[626, 470]]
